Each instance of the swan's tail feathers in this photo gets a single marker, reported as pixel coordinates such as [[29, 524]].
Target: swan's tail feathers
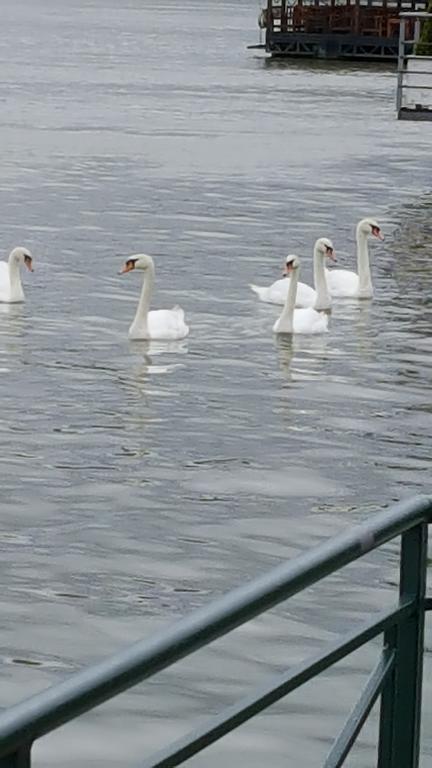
[[261, 292], [179, 311]]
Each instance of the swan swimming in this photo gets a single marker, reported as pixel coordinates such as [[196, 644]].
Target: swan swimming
[[306, 296], [304, 320], [160, 323], [11, 290], [342, 282]]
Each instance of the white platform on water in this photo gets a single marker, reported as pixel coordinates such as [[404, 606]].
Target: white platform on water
[[417, 98]]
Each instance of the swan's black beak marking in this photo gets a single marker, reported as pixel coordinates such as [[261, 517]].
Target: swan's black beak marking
[[29, 263], [128, 266], [377, 233], [330, 253]]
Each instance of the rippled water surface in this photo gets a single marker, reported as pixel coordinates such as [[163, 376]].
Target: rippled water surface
[[139, 481]]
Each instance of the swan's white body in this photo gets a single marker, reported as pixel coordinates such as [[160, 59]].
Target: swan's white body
[[342, 282], [319, 298], [11, 290], [278, 291], [160, 323], [304, 320]]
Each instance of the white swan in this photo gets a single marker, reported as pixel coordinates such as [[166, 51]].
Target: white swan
[[276, 293], [341, 282], [160, 323], [306, 296], [11, 290], [306, 320]]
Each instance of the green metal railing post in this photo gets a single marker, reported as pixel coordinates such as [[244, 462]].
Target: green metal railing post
[[399, 744], [385, 743], [19, 759]]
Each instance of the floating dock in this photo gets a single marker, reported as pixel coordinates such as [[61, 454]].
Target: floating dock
[[356, 30], [414, 83]]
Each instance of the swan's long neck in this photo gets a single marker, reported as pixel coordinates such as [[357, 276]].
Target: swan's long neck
[[16, 289], [322, 300], [286, 320], [140, 319], [365, 289]]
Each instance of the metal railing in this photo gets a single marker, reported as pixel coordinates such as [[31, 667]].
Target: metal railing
[[406, 58], [397, 677]]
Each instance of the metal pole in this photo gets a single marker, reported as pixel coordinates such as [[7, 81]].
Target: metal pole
[[385, 739], [400, 67], [399, 744], [19, 759], [283, 18], [269, 24], [409, 672]]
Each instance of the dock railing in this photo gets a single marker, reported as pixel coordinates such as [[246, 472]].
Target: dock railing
[[396, 678], [414, 72]]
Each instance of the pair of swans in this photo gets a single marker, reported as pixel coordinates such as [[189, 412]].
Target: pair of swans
[[160, 324], [11, 290], [306, 319], [340, 282]]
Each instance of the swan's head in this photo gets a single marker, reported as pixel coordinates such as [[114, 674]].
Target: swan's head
[[140, 261], [324, 247], [292, 262], [23, 256], [369, 227]]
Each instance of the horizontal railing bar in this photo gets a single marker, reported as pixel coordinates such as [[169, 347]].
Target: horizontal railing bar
[[85, 690], [417, 87], [360, 712], [270, 692], [416, 72], [415, 15]]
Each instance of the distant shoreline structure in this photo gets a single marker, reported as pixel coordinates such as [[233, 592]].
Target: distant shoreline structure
[[356, 30]]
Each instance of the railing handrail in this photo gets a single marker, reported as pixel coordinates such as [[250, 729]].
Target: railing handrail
[[45, 711], [415, 15]]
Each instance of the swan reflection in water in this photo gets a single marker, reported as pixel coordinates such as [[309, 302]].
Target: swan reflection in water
[[13, 320], [144, 365], [299, 356], [285, 349], [361, 332]]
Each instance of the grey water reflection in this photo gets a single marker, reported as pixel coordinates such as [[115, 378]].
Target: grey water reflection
[[141, 480]]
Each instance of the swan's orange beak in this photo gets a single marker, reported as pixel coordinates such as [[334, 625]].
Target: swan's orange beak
[[377, 233], [29, 263], [330, 253], [128, 266], [288, 269]]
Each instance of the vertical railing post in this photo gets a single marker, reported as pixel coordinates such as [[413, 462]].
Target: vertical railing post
[[19, 759], [417, 30], [269, 25], [385, 743], [399, 741], [400, 65]]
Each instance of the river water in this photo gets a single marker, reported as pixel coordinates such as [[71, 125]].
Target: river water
[[140, 481]]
